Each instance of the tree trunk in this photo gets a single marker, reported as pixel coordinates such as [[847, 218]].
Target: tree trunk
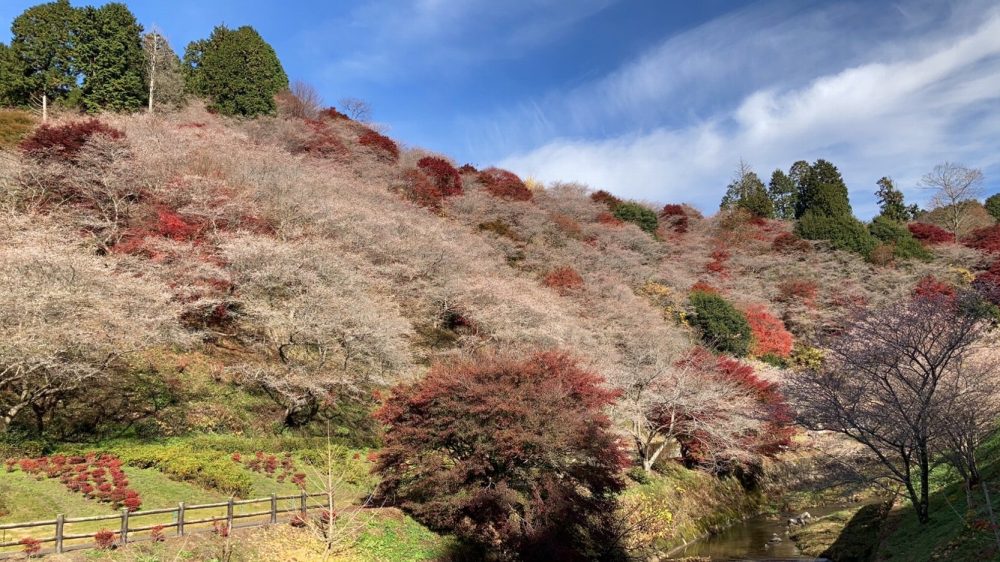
[[45, 107]]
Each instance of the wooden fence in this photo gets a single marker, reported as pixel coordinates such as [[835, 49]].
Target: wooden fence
[[181, 522]]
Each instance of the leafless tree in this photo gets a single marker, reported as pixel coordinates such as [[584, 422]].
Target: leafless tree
[[953, 185], [301, 101], [67, 320], [357, 109], [883, 379], [163, 72]]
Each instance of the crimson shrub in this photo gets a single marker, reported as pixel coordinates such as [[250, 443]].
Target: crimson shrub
[[515, 456], [504, 184], [63, 142], [443, 174], [382, 144]]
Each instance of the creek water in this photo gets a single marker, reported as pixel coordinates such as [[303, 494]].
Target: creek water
[[753, 540]]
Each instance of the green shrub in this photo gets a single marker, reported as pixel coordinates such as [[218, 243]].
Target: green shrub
[[212, 469], [722, 326], [993, 206], [905, 246], [639, 215], [843, 233], [14, 126]]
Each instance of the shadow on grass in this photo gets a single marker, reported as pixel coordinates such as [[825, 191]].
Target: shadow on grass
[[860, 538]]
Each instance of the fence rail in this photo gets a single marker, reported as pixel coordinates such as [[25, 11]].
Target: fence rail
[[181, 522]]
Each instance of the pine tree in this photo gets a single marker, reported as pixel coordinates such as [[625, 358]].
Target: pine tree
[[111, 59], [237, 70], [993, 206], [822, 191], [40, 66], [783, 193], [891, 202], [163, 72], [746, 191], [10, 70]]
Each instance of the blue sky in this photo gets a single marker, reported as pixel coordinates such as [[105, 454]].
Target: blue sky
[[656, 100]]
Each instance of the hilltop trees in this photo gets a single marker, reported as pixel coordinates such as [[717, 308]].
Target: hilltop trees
[[237, 70], [513, 455], [891, 202], [784, 194], [42, 53], [953, 186], [992, 205], [746, 191], [890, 380], [163, 74], [110, 58]]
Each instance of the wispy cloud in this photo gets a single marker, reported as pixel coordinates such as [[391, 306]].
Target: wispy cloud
[[889, 92]]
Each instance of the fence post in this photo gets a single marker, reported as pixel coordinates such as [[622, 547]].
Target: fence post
[[302, 502], [60, 524], [180, 519], [124, 531], [274, 508], [229, 515]]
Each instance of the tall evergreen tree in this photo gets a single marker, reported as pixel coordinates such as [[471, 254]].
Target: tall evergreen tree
[[237, 70], [783, 193], [111, 59], [993, 206], [891, 202], [191, 66], [41, 60], [10, 70], [164, 79], [822, 191], [746, 191]]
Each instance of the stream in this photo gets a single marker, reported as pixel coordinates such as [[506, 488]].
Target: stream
[[752, 540]]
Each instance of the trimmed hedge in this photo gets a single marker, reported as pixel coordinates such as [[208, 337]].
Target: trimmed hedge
[[843, 233], [722, 326]]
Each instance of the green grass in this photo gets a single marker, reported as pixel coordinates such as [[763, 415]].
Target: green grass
[[393, 536], [948, 536]]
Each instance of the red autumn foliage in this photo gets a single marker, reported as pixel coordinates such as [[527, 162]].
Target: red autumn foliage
[[380, 143], [563, 279], [930, 286], [673, 210], [769, 334], [299, 520], [444, 176], [567, 224], [268, 465], [608, 219], [421, 190], [798, 289], [605, 198], [105, 539], [63, 142], [87, 475], [476, 448], [504, 184], [787, 243], [720, 255], [322, 142], [985, 239], [220, 528], [332, 114], [680, 225], [930, 234], [157, 534], [30, 546], [703, 287]]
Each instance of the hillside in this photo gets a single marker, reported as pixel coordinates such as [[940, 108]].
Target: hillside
[[193, 274]]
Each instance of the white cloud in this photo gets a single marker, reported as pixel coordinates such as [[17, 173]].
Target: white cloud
[[881, 107]]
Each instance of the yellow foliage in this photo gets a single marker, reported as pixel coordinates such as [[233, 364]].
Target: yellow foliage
[[807, 357], [648, 517], [666, 299], [533, 184], [963, 275]]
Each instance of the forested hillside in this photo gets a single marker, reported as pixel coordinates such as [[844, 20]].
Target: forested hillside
[[181, 256]]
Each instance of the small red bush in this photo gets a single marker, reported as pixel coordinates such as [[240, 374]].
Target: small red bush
[[421, 190], [930, 234], [985, 239], [332, 114], [567, 224], [720, 256], [605, 198], [63, 142], [563, 279], [380, 143], [609, 219], [988, 284], [443, 174], [157, 533], [769, 334], [105, 539], [930, 286], [30, 546], [798, 289], [787, 243], [672, 210], [504, 184], [299, 520], [322, 142], [703, 287]]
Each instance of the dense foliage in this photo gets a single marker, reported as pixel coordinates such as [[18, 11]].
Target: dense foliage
[[237, 70], [722, 326], [637, 214], [515, 456], [842, 232]]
